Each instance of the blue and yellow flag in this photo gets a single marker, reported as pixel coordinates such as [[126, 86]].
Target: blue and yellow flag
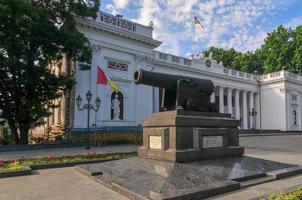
[[197, 21]]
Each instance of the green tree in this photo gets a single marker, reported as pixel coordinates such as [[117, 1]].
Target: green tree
[[226, 56], [250, 62], [34, 34], [297, 59], [278, 50], [282, 49]]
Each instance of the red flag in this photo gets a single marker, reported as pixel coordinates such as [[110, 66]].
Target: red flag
[[102, 79]]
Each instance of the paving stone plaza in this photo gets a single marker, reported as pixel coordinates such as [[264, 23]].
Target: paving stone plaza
[[45, 183]]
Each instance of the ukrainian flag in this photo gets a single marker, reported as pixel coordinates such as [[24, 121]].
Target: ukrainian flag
[[197, 21]]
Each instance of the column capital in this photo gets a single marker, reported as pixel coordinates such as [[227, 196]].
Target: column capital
[[230, 88], [220, 88]]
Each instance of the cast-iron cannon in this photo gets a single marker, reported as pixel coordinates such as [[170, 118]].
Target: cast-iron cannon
[[180, 92]]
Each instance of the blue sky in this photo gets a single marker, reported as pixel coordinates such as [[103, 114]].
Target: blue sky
[[239, 24]]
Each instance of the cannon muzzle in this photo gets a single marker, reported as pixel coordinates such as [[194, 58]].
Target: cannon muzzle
[[155, 79], [169, 82]]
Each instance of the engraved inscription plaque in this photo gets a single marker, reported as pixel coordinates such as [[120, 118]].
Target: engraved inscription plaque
[[212, 141], [155, 142]]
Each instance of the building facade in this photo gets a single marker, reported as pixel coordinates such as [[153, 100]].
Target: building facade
[[266, 102]]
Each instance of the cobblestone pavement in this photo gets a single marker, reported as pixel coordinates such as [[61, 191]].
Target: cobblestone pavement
[[55, 184], [66, 183], [285, 142], [285, 148]]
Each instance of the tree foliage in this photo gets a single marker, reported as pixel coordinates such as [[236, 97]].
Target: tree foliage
[[33, 35], [282, 49]]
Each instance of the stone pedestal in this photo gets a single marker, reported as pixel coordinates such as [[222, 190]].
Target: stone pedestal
[[182, 136]]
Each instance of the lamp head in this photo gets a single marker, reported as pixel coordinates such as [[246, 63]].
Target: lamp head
[[78, 101], [98, 102], [88, 95]]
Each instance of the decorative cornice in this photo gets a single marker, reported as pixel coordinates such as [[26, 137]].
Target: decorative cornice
[[194, 70], [117, 59], [112, 30], [141, 58], [96, 48]]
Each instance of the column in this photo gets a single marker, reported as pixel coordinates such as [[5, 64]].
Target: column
[[156, 102], [244, 109], [50, 118], [63, 109], [237, 108], [251, 109], [221, 102], [55, 113], [257, 109], [230, 101], [59, 112], [212, 97]]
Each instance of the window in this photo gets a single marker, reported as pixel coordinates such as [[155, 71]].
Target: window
[[294, 97]]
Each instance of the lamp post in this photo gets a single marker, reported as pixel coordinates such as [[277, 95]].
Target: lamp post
[[88, 106], [253, 114]]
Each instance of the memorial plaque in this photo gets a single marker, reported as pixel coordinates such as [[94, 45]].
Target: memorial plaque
[[155, 142], [212, 141]]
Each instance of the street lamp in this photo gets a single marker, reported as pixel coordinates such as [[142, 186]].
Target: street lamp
[[253, 114], [88, 106]]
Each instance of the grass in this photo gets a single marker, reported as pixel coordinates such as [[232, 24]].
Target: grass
[[16, 165], [295, 195]]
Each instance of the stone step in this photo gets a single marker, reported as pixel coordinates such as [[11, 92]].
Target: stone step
[[257, 181], [283, 173], [88, 171]]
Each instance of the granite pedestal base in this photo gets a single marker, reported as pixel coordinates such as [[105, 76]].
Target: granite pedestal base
[[182, 136], [139, 178]]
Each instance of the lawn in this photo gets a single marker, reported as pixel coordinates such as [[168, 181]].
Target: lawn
[[16, 165]]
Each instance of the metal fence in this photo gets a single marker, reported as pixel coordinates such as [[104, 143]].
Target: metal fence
[[107, 135]]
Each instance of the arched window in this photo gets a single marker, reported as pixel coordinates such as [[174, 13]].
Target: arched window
[[117, 106]]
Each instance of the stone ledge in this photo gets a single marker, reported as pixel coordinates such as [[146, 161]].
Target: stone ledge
[[28, 170], [283, 173], [69, 164], [24, 172], [88, 172]]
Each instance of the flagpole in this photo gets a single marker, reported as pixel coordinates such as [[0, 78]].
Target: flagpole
[[194, 47]]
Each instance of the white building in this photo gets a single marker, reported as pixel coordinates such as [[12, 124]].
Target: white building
[[121, 46]]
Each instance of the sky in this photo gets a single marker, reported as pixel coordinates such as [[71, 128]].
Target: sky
[[239, 24]]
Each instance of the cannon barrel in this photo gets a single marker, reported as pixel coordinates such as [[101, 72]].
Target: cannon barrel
[[169, 82]]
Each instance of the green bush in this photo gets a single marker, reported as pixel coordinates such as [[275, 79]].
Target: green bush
[[7, 136], [15, 165], [295, 195]]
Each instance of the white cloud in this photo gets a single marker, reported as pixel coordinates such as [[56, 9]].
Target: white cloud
[[172, 21], [228, 23], [120, 4], [297, 21]]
